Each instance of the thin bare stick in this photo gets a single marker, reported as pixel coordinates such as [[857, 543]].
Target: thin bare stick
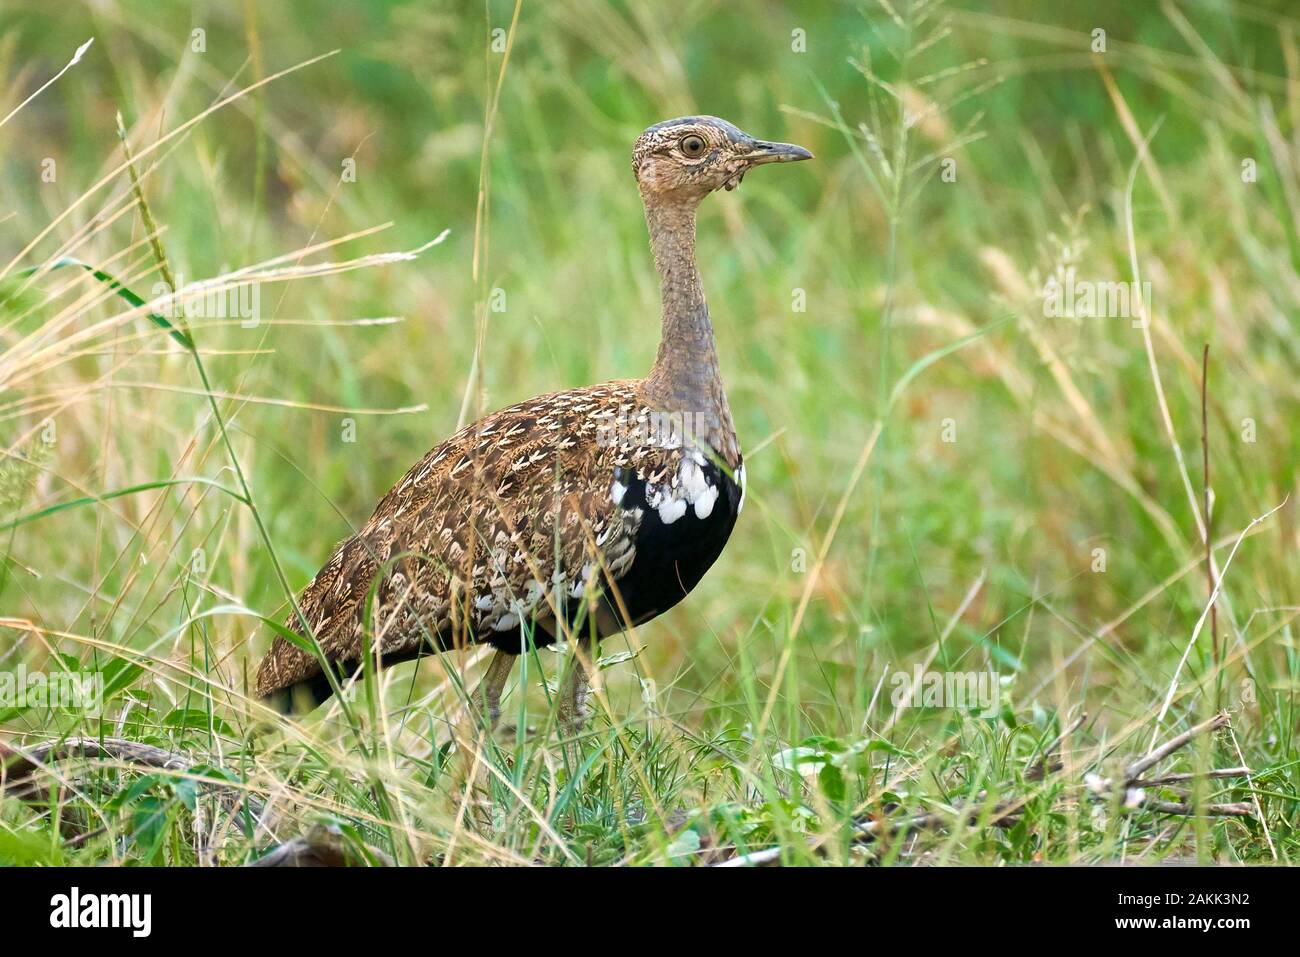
[[19, 764], [769, 855], [1209, 525], [1192, 776], [76, 58], [1200, 622], [1254, 795], [1236, 809], [1134, 771], [1144, 323]]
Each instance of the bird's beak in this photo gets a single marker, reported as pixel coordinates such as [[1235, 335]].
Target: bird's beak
[[765, 152]]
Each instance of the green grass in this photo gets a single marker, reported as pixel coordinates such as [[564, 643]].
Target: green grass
[[939, 474]]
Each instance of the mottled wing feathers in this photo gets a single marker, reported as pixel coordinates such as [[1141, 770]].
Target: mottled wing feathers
[[514, 517]]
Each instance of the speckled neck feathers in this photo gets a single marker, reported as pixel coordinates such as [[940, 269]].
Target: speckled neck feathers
[[685, 378]]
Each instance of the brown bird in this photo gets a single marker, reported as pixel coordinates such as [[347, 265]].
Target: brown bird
[[567, 517]]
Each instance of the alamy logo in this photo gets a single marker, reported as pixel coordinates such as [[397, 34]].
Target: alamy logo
[[660, 430], [210, 299], [1092, 299], [132, 911], [963, 690], [69, 690]]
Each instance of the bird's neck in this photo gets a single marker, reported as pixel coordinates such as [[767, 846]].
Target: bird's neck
[[685, 378]]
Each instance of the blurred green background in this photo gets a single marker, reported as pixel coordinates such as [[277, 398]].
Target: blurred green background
[[1060, 445]]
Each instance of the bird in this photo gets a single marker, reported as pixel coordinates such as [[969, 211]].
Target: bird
[[571, 516]]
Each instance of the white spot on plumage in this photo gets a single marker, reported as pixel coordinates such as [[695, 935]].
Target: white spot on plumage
[[694, 482], [506, 622], [704, 504], [671, 510], [617, 491], [740, 480]]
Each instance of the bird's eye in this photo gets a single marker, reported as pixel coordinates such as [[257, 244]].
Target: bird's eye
[[692, 145]]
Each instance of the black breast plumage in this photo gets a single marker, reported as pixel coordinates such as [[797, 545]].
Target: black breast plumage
[[672, 557], [677, 541]]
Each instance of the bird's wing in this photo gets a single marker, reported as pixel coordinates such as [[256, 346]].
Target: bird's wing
[[516, 512]]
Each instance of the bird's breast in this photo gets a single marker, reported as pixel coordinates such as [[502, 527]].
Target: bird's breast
[[683, 520]]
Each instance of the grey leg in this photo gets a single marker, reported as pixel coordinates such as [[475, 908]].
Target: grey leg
[[572, 710], [485, 702], [475, 724]]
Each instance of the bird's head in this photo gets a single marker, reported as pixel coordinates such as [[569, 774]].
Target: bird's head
[[689, 157]]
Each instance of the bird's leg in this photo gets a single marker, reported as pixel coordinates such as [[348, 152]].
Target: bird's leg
[[572, 710], [482, 713], [485, 703]]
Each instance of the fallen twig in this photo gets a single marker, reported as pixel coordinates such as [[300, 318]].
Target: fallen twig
[[1235, 809], [1154, 756], [19, 778], [1192, 776], [1134, 786], [20, 772], [18, 767]]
